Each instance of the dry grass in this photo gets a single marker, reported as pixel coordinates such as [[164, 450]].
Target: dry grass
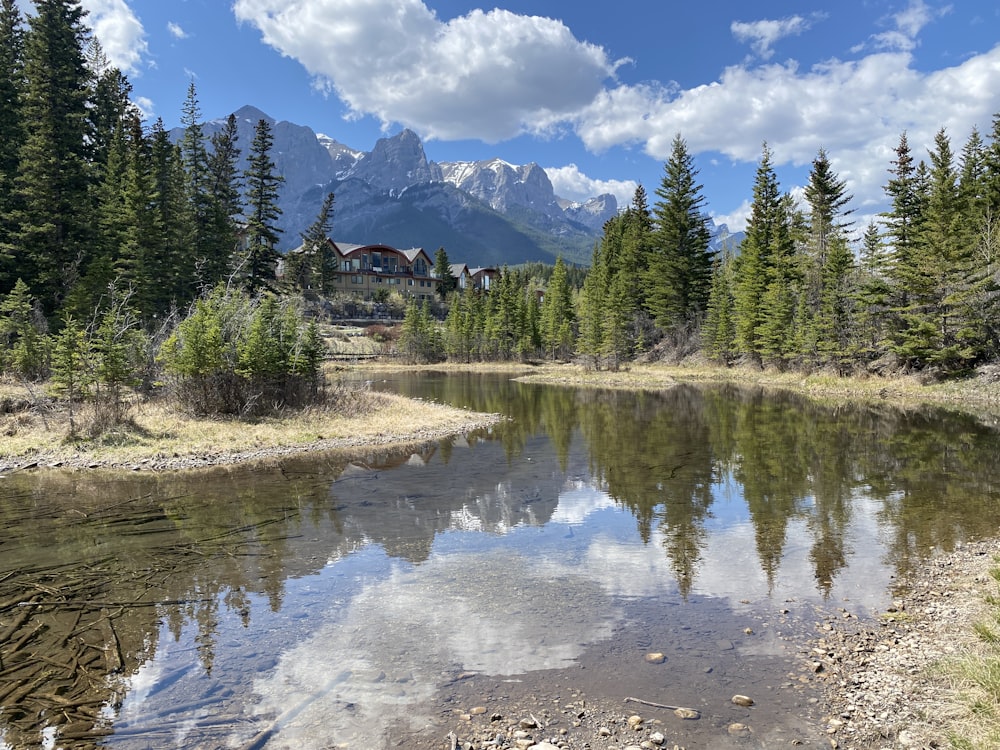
[[157, 432], [976, 676]]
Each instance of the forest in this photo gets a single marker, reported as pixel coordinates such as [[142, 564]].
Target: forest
[[131, 261]]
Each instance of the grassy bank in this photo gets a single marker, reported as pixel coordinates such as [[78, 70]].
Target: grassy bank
[[32, 429], [157, 436]]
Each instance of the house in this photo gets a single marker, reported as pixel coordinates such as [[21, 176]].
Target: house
[[461, 273], [364, 269], [483, 278]]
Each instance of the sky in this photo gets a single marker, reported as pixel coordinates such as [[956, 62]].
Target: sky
[[594, 93]]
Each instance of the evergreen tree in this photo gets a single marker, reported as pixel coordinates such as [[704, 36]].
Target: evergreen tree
[[227, 205], [835, 318], [678, 277], [873, 295], [173, 218], [259, 265], [766, 232], [202, 214], [827, 197], [719, 330], [617, 346], [311, 268], [12, 132], [591, 307], [446, 281], [24, 349], [52, 186], [557, 315]]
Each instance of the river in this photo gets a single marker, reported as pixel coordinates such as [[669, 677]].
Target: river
[[387, 599]]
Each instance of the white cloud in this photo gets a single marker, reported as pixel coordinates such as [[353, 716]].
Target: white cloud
[[569, 182], [856, 110], [119, 31], [176, 31], [763, 34], [487, 75], [494, 75]]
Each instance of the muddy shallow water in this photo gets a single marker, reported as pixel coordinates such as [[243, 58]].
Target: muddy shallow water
[[374, 601]]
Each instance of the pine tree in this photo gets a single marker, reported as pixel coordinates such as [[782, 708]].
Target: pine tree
[[766, 237], [312, 267], [259, 264], [446, 281], [12, 132], [678, 277], [52, 186], [227, 205], [557, 315], [719, 330]]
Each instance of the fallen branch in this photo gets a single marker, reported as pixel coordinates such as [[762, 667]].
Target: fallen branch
[[693, 713]]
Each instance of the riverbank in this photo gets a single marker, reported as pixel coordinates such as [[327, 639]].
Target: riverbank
[[160, 439], [904, 681], [35, 432]]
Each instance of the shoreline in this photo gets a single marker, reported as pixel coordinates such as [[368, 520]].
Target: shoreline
[[887, 682]]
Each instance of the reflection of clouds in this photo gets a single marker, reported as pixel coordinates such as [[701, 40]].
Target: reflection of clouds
[[730, 565], [402, 638], [579, 502]]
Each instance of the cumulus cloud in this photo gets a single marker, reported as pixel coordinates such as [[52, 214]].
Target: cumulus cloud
[[763, 34], [494, 75], [856, 110], [569, 182], [119, 31], [487, 75]]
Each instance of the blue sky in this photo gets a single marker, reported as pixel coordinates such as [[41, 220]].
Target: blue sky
[[593, 92]]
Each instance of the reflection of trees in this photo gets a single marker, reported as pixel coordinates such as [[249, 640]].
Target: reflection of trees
[[90, 564], [651, 453]]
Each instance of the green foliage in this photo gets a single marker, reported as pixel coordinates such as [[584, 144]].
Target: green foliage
[[557, 315], [22, 335], [421, 341], [446, 281], [258, 265], [236, 354], [677, 278]]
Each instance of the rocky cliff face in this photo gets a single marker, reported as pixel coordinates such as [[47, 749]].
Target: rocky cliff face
[[487, 212]]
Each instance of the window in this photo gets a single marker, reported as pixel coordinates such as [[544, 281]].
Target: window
[[356, 279], [420, 267], [409, 282]]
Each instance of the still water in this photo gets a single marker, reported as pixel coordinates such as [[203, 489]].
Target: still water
[[367, 603]]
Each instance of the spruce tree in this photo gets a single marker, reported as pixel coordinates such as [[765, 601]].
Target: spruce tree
[[259, 263], [311, 268], [678, 278], [557, 315], [53, 211], [227, 206], [591, 308], [446, 281], [12, 132], [754, 270], [719, 329]]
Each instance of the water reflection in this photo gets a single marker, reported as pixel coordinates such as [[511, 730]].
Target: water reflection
[[325, 601]]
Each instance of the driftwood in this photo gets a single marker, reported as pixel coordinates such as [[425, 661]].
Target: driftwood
[[688, 712]]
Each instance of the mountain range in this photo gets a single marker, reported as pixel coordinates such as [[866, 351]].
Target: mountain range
[[484, 213]]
